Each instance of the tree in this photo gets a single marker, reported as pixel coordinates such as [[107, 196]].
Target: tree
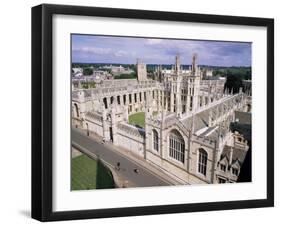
[[233, 82], [126, 76], [87, 71]]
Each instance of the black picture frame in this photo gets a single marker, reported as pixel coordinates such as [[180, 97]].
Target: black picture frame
[[42, 111]]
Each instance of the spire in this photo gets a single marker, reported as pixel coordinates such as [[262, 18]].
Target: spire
[[194, 63], [177, 64]]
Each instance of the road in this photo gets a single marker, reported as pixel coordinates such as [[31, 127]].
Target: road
[[144, 178]]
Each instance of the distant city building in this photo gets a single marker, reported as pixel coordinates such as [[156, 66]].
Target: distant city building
[[117, 70], [77, 72], [207, 73], [187, 121], [98, 76]]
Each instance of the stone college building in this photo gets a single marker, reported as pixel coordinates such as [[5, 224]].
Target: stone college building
[[187, 121]]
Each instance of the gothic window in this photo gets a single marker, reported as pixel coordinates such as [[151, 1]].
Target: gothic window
[[183, 108], [155, 140], [105, 102], [124, 99], [223, 167], [176, 146], [118, 100], [221, 181], [202, 161], [135, 98], [235, 171]]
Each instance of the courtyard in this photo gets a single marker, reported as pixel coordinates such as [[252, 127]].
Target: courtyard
[[137, 119]]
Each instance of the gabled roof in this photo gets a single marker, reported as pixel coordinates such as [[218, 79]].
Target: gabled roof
[[238, 155]]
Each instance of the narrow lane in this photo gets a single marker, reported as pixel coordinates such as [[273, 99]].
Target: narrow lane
[[144, 178]]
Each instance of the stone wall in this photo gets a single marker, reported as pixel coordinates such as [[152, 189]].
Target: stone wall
[[130, 138], [94, 123]]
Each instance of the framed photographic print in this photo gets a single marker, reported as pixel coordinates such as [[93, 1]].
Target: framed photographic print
[[146, 112]]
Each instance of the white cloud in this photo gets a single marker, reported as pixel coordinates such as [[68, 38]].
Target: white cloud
[[121, 53], [92, 50], [154, 41]]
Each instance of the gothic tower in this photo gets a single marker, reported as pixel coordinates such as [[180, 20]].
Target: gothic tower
[[194, 85], [141, 71], [194, 64]]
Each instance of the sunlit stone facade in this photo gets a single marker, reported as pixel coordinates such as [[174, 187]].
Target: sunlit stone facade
[[187, 121]]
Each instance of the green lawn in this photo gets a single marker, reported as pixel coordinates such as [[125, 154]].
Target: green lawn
[[87, 173], [137, 119]]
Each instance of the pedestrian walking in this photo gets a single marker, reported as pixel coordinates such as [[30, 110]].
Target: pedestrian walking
[[118, 166]]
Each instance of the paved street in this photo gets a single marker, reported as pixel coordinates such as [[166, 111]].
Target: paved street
[[143, 178]]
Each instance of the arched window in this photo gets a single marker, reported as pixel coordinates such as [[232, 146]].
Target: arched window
[[202, 161], [105, 102], [176, 146], [124, 99], [155, 140], [76, 110], [111, 100]]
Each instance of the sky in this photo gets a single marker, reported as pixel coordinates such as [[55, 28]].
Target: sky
[[126, 50]]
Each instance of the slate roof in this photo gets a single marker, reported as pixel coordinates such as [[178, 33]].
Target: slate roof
[[200, 120], [131, 129], [238, 154], [94, 115], [243, 117]]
